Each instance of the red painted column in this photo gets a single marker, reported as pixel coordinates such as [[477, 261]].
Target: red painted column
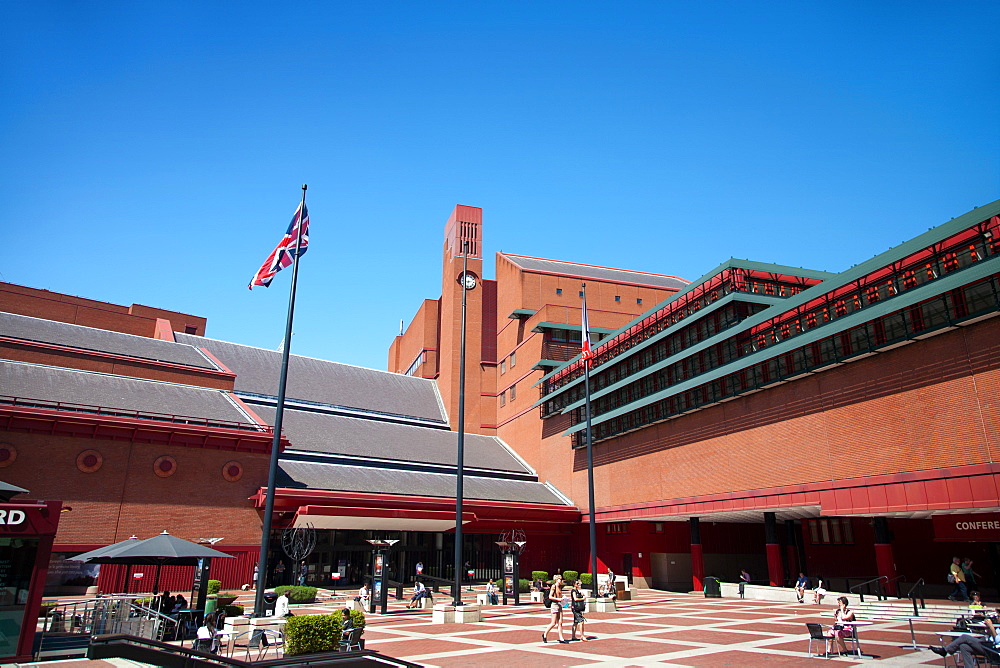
[[885, 560], [697, 561], [775, 571]]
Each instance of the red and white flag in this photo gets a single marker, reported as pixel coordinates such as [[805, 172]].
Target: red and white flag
[[284, 253]]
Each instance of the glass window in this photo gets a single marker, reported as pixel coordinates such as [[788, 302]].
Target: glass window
[[513, 360]]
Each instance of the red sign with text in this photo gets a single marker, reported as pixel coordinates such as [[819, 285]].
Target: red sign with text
[[984, 527]]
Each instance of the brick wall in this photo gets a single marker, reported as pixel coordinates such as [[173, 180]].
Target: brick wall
[[927, 405]]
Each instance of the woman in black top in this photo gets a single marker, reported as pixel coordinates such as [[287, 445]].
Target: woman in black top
[[578, 603]]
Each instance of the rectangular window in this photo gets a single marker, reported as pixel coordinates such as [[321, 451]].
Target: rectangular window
[[617, 527], [513, 392], [503, 398], [639, 301], [833, 531], [618, 298], [513, 360], [503, 366], [658, 527], [558, 291]]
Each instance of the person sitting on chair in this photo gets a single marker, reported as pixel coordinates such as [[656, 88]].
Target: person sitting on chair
[[842, 628], [970, 646]]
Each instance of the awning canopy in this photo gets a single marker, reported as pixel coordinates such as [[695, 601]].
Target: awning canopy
[[380, 519]]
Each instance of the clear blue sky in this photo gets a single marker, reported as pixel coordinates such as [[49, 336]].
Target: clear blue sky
[[153, 152]]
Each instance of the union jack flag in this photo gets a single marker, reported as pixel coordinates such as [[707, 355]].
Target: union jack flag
[[284, 253], [588, 354]]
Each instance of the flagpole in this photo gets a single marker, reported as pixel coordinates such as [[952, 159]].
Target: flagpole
[[590, 452], [272, 474]]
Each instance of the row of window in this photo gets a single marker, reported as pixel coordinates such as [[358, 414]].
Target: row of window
[[415, 366], [728, 281], [942, 311], [618, 298], [510, 361], [722, 319], [865, 292], [510, 392], [830, 531], [961, 250]]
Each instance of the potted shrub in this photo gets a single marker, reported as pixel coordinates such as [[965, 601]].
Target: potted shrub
[[309, 634]]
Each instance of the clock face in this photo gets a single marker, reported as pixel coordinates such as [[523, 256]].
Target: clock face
[[467, 280]]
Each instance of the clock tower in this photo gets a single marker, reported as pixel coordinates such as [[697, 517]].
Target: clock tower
[[462, 248]]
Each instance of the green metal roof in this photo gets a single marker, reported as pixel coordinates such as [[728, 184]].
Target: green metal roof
[[714, 306], [831, 283], [941, 285], [521, 313]]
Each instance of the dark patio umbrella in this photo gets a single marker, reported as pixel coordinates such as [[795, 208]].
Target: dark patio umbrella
[[7, 491], [161, 550]]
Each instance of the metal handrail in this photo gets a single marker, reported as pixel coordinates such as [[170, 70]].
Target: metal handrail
[[888, 583], [878, 588], [918, 587]]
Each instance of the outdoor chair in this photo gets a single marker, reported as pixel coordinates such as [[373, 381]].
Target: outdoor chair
[[256, 640], [992, 658], [816, 634], [351, 640]]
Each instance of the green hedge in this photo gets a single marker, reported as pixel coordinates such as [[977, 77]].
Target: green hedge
[[571, 576], [305, 634], [524, 585], [214, 586], [586, 579], [297, 594], [234, 610], [540, 575]]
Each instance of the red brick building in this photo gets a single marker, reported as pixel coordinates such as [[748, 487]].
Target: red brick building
[[761, 417]]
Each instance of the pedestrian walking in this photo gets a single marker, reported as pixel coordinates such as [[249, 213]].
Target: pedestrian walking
[[554, 601], [578, 605], [956, 576]]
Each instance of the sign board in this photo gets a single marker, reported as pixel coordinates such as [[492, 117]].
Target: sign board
[[980, 527]]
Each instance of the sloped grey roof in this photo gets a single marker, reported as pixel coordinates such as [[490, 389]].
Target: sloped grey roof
[[597, 273], [325, 382], [358, 437], [101, 340], [53, 384], [336, 477]]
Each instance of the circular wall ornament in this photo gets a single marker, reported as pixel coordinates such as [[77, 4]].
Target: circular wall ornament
[[8, 453], [232, 470], [89, 461], [165, 466]]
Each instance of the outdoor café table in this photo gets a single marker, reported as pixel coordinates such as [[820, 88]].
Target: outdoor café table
[[856, 623]]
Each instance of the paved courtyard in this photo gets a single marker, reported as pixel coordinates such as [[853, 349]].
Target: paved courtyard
[[655, 629]]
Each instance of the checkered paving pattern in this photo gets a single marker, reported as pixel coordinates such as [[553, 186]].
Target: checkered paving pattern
[[654, 629]]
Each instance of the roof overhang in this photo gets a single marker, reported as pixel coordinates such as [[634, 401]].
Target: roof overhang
[[378, 519]]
